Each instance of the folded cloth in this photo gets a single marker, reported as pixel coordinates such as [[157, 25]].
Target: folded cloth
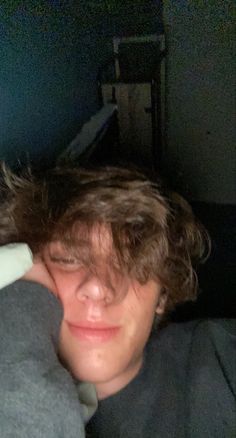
[[15, 260]]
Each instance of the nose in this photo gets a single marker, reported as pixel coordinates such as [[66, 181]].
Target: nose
[[93, 289]]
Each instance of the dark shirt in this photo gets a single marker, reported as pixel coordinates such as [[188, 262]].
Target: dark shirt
[[186, 387]]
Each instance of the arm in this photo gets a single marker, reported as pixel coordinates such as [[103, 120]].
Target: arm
[[212, 379], [29, 323], [38, 396]]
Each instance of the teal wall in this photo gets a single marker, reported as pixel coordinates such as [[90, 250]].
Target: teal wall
[[50, 52], [47, 81]]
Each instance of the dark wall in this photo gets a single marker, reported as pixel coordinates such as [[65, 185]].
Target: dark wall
[[200, 152]]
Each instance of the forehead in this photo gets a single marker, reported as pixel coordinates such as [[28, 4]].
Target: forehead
[[87, 242]]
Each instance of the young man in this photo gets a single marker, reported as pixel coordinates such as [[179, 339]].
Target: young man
[[120, 254]]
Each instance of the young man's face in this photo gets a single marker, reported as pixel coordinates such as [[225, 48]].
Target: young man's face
[[106, 322]]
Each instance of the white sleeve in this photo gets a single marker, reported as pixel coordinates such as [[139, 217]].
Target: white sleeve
[[15, 260]]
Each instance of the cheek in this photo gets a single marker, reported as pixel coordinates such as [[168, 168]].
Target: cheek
[[65, 283], [140, 312]]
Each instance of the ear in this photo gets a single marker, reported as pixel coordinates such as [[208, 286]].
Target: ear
[[161, 303]]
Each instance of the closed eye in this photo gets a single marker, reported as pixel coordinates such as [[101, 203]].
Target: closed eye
[[63, 260], [66, 263]]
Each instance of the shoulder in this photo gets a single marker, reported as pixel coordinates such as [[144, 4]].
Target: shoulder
[[213, 352], [202, 347], [189, 333], [214, 338], [201, 357], [211, 378]]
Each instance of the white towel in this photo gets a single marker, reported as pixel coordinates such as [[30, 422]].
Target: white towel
[[15, 260]]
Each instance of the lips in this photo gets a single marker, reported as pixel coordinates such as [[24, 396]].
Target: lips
[[94, 332]]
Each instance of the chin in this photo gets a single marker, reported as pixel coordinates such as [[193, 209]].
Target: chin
[[87, 367], [92, 374]]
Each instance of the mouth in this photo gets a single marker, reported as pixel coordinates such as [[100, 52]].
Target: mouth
[[93, 332]]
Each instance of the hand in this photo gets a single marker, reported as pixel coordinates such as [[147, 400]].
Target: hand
[[39, 274]]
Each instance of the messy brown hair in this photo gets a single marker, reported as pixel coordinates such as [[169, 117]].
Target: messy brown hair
[[154, 233]]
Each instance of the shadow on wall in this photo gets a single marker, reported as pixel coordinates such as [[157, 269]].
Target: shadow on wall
[[200, 154]]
